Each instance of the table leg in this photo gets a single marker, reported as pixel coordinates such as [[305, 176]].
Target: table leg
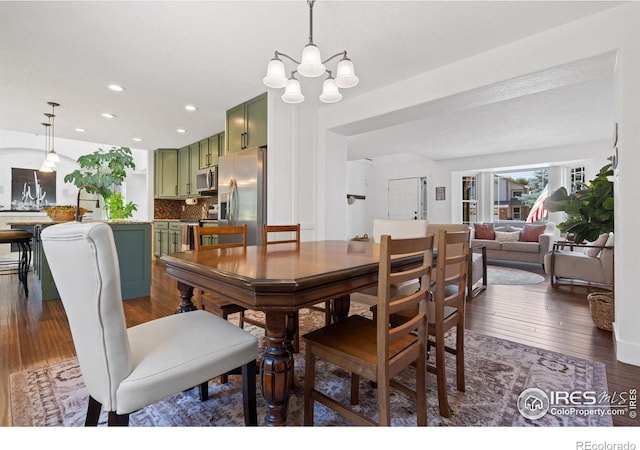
[[186, 293], [24, 261], [276, 369], [341, 307]]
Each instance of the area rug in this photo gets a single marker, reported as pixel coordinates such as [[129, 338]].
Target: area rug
[[497, 372], [497, 275]]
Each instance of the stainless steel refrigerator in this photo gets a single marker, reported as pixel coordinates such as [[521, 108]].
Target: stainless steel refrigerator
[[242, 191]]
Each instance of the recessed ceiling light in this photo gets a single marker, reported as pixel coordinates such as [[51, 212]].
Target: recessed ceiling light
[[137, 139], [80, 130], [108, 115], [116, 87], [181, 130], [190, 108]]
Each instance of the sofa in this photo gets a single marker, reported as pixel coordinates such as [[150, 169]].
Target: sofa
[[515, 240]]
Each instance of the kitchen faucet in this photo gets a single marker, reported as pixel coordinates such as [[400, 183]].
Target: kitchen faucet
[[76, 215]]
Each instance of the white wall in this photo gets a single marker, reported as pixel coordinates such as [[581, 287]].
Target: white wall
[[24, 150], [612, 30]]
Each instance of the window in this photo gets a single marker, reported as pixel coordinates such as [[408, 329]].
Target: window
[[578, 179], [469, 199], [517, 194], [517, 215]]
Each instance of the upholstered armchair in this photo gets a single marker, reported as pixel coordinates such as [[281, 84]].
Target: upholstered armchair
[[587, 263], [126, 369]]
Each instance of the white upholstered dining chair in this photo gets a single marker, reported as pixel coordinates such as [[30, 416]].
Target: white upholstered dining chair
[[127, 369]]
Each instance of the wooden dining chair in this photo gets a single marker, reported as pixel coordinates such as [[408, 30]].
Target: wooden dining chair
[[210, 302], [446, 311], [374, 349]]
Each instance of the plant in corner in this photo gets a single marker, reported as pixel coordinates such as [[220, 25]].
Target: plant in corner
[[589, 209], [106, 170]]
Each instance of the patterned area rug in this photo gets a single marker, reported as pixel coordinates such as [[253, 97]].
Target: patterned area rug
[[497, 372], [510, 275]]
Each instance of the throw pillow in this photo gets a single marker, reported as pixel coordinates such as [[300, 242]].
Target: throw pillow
[[502, 236], [602, 240], [531, 233], [484, 231]]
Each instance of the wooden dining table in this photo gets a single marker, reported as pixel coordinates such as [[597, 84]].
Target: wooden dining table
[[279, 281]]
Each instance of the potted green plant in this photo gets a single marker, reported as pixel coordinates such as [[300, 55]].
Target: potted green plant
[[103, 172], [589, 209]]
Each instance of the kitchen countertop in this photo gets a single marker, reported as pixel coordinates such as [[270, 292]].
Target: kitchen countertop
[[51, 222]]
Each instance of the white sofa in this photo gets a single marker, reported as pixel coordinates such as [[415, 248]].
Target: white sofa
[[512, 248]]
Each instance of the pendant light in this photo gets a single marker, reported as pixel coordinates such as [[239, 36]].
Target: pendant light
[[47, 166], [310, 65], [52, 156]]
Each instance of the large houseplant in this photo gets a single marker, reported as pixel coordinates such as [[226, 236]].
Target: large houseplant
[[106, 170], [589, 209]]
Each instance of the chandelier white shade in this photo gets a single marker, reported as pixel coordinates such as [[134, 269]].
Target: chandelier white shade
[[345, 75], [276, 77], [330, 92], [293, 92], [310, 65]]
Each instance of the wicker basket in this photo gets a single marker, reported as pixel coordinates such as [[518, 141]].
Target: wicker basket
[[602, 309], [64, 215]]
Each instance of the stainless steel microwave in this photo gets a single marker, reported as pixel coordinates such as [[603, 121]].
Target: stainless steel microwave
[[207, 180]]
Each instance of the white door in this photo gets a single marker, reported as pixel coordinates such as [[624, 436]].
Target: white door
[[404, 199]]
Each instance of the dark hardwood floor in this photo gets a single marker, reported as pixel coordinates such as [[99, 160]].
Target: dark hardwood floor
[[35, 333]]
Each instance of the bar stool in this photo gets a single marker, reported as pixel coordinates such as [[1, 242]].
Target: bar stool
[[22, 239]]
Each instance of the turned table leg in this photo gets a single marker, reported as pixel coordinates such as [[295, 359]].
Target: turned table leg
[[341, 307], [186, 293], [276, 369]]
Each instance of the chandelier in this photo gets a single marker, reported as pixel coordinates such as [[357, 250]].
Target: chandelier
[[51, 157], [310, 65]]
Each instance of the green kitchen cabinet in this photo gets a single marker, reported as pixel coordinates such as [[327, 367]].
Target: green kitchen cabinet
[[209, 239], [209, 151], [188, 166], [184, 172], [133, 244], [166, 173], [167, 237], [247, 124], [160, 238], [175, 237]]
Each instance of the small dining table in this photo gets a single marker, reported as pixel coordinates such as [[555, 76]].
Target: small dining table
[[279, 281]]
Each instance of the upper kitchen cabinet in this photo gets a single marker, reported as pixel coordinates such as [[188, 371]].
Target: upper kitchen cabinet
[[210, 150], [188, 165], [247, 124], [166, 173]]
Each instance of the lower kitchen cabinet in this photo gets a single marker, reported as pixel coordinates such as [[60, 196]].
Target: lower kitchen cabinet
[[167, 238]]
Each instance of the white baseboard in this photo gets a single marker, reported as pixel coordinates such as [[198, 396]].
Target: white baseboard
[[626, 351]]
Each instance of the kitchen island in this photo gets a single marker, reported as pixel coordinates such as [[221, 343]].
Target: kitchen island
[[133, 243]]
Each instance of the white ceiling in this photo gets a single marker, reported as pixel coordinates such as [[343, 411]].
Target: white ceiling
[[213, 54]]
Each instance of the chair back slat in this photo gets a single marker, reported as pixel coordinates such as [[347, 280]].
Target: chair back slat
[[291, 233], [414, 304], [240, 231]]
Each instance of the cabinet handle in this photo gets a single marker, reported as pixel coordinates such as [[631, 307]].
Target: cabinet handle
[[176, 190]]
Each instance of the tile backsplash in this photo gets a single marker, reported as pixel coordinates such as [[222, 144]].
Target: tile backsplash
[[178, 209]]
